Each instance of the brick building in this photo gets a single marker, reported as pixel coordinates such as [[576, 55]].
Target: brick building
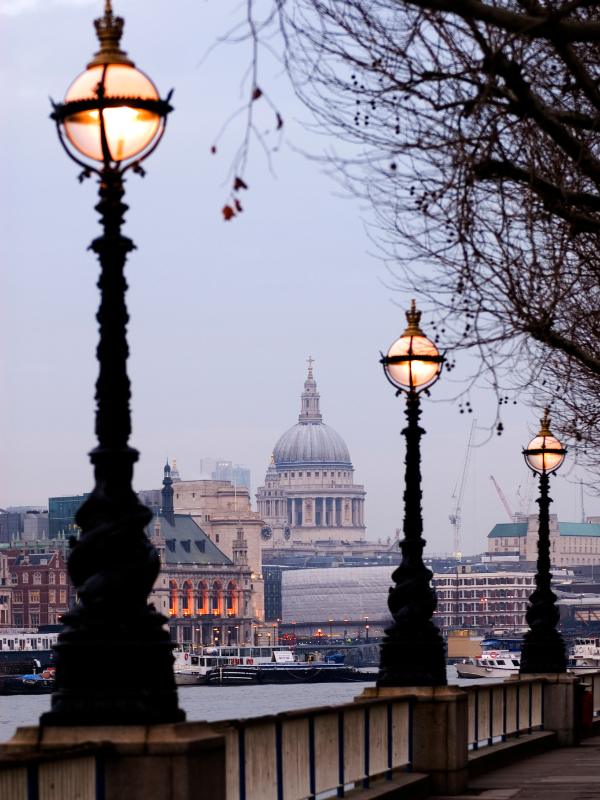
[[40, 588]]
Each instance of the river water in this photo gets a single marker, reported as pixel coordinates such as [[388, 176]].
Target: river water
[[212, 703]]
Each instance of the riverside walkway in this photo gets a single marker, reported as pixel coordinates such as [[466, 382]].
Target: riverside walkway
[[529, 738], [565, 773]]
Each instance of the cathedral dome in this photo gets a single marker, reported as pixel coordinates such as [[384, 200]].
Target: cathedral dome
[[311, 442]]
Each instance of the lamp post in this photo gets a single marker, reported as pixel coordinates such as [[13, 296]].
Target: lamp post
[[412, 651], [543, 647], [112, 118]]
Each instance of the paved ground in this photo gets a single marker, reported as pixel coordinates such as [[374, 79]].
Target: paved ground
[[569, 773]]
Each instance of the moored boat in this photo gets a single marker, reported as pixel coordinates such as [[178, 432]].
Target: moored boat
[[491, 664], [295, 672], [192, 665]]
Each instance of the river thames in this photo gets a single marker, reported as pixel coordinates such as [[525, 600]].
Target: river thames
[[213, 703], [208, 703]]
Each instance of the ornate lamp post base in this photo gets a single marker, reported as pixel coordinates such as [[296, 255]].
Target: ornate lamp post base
[[412, 657], [105, 681], [543, 651]]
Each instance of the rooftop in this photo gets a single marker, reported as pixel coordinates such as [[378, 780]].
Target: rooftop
[[185, 541]]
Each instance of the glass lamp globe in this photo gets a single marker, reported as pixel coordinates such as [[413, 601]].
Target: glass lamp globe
[[544, 453], [413, 362], [128, 130], [111, 112]]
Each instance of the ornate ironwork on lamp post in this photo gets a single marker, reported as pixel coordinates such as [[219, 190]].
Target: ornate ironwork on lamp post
[[413, 651], [114, 662], [543, 647]]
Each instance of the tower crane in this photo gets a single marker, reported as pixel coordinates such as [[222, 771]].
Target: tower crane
[[457, 494], [525, 495], [503, 499]]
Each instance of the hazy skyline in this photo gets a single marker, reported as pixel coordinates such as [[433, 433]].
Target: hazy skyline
[[223, 315]]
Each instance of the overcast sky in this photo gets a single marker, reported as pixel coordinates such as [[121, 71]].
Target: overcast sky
[[223, 315]]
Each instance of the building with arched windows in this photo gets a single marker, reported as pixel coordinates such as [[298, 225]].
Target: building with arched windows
[[309, 492], [207, 597]]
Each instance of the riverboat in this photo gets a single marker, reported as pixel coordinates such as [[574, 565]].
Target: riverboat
[[498, 663], [295, 672], [585, 653], [491, 664], [18, 644], [193, 664], [35, 681]]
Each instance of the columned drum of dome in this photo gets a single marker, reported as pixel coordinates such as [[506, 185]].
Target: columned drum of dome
[[309, 492]]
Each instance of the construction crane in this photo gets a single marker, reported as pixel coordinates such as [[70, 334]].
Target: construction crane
[[457, 494], [525, 496], [503, 499]]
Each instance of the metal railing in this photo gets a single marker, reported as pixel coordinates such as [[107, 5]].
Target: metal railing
[[502, 710], [318, 753]]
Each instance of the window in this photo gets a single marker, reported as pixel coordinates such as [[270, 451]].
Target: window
[[34, 597], [308, 474], [51, 577], [37, 578], [63, 596], [52, 596], [25, 577], [34, 619], [62, 577], [18, 597], [216, 537]]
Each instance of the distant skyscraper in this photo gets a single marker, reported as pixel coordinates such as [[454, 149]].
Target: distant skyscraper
[[234, 473], [11, 526], [61, 514]]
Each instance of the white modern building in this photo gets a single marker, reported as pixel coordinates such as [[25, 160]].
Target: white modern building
[[350, 598]]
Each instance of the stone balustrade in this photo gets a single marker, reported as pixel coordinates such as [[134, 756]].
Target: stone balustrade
[[387, 743]]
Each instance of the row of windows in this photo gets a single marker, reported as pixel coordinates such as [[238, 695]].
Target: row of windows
[[34, 596], [37, 578], [525, 581], [483, 608], [484, 595], [317, 474]]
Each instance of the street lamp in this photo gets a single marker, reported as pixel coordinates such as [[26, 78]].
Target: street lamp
[[412, 652], [543, 647], [112, 118]]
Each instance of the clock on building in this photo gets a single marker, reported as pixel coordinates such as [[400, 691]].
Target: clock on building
[[266, 533]]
